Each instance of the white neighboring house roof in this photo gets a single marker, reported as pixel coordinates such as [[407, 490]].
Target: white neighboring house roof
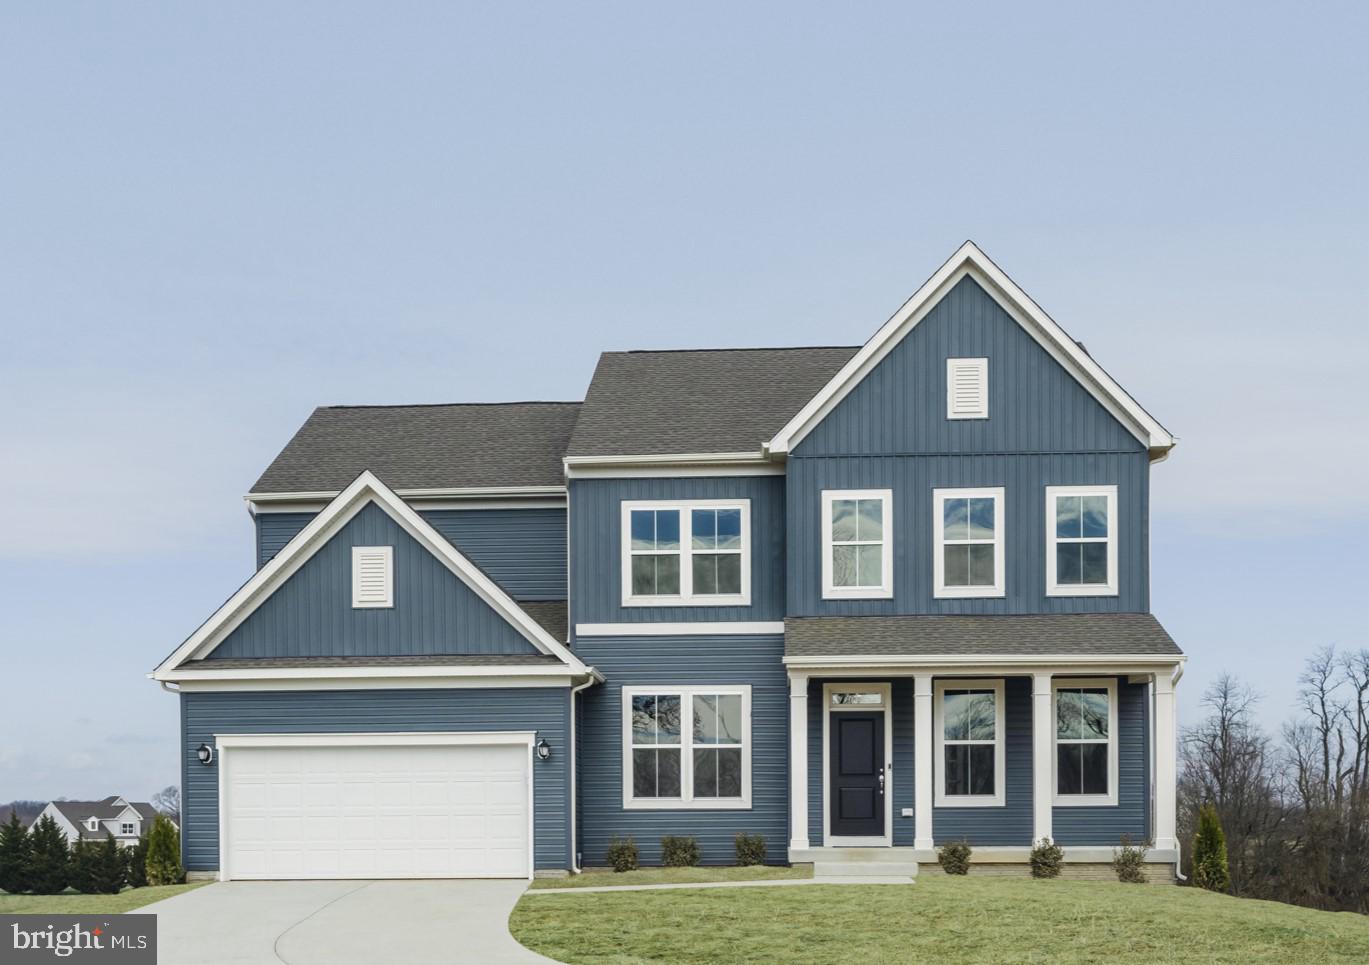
[[970, 261], [72, 816], [363, 491]]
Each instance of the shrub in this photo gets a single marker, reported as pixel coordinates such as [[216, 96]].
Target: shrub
[[1046, 859], [164, 853], [135, 864], [14, 856], [1129, 861], [750, 849], [47, 858], [1209, 852], [622, 854], [679, 852], [955, 857]]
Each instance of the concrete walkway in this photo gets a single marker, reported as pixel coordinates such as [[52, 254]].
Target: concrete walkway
[[341, 923]]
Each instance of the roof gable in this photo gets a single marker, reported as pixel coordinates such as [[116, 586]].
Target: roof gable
[[969, 261], [365, 491]]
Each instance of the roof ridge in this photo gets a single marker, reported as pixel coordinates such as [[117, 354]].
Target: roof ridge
[[745, 348], [451, 405]]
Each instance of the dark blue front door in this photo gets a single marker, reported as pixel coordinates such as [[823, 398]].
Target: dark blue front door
[[856, 776]]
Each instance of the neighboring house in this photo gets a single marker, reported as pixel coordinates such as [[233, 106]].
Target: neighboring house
[[885, 596], [93, 820]]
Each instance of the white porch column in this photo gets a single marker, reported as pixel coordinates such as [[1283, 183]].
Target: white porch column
[[1042, 752], [1166, 772], [798, 760], [922, 762]]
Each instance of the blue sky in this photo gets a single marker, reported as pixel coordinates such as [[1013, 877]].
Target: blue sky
[[215, 216]]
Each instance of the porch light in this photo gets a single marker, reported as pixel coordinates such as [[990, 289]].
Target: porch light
[[543, 751], [205, 753]]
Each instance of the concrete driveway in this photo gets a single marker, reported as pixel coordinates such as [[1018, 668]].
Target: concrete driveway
[[341, 922]]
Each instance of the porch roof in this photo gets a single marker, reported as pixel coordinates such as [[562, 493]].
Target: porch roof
[[1025, 635]]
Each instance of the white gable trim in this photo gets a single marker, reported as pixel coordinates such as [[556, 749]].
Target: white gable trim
[[970, 261], [365, 489]]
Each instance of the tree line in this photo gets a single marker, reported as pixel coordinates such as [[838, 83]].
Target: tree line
[[1292, 806], [40, 861]]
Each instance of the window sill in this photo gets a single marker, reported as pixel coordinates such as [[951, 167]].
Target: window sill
[[1081, 590], [1085, 801], [666, 601], [675, 804], [968, 593], [969, 801], [861, 593]]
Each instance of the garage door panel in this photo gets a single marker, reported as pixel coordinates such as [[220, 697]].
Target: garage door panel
[[383, 811]]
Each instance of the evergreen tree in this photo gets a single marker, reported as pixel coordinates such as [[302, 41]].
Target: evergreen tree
[[47, 858], [14, 856], [1209, 852], [107, 866], [81, 866], [164, 853], [135, 864]]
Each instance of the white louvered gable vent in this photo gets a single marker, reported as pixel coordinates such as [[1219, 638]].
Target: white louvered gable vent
[[373, 576], [967, 388]]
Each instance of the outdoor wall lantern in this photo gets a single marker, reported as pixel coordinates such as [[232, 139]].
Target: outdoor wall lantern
[[205, 753], [543, 751]]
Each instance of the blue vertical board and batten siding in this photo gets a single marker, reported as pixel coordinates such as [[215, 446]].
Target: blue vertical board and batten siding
[[311, 614], [687, 661], [1010, 824], [544, 710], [523, 550], [596, 543], [1131, 814], [891, 432]]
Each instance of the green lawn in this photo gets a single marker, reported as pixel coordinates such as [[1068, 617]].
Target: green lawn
[[671, 876], [74, 904], [939, 919]]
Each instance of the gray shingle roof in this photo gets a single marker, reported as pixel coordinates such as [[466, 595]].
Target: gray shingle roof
[[707, 400], [78, 811], [396, 660], [1084, 634], [426, 447]]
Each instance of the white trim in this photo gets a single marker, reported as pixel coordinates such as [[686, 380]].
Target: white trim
[[715, 628], [923, 770], [686, 801], [798, 760], [1084, 800], [671, 465], [207, 685], [970, 261], [1043, 747], [364, 490], [686, 596], [885, 589], [266, 502], [1064, 662], [1164, 749], [385, 598], [1113, 538], [980, 368], [223, 743], [886, 707], [939, 588], [999, 742]]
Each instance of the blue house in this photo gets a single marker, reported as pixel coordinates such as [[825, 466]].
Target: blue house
[[859, 600]]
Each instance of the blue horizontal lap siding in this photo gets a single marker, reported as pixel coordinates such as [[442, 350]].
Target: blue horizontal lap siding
[[682, 660], [523, 550], [1010, 824], [596, 542], [311, 614], [1131, 815], [544, 710]]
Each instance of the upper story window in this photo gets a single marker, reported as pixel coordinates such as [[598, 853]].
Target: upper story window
[[127, 828], [687, 747], [93, 825], [968, 552], [1085, 741], [1081, 540], [857, 544], [969, 730], [692, 554], [967, 388], [372, 577]]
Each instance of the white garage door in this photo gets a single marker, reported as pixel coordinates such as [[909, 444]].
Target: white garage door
[[388, 811]]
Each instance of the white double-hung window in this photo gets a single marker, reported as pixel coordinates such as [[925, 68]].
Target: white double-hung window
[[969, 728], [695, 553], [687, 747], [857, 544], [968, 542], [1085, 714], [1081, 540]]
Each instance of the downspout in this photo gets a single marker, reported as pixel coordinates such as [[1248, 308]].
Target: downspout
[[574, 770]]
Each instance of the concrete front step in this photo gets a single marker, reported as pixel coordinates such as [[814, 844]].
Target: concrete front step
[[864, 869]]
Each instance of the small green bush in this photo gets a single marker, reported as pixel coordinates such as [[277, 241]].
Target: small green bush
[[679, 852], [955, 857], [622, 854], [14, 856], [1129, 861], [750, 849], [164, 853], [1209, 852], [1046, 859], [48, 860]]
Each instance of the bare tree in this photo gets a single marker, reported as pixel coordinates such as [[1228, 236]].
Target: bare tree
[[168, 801]]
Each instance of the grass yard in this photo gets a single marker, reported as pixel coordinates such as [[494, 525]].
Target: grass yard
[[939, 919], [671, 876], [74, 904]]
